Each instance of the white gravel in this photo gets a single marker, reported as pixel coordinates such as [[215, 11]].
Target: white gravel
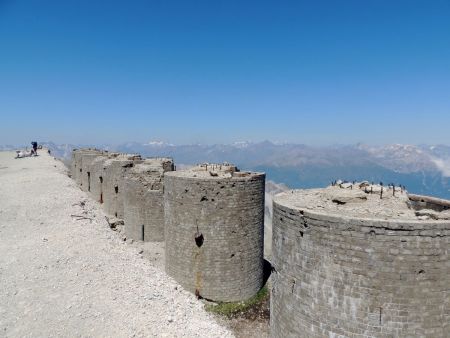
[[61, 276]]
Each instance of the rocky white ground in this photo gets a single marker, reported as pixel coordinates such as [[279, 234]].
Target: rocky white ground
[[65, 273]]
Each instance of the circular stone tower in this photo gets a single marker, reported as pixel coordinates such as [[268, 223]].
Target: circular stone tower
[[144, 200], [114, 170], [97, 175], [214, 229], [87, 175], [365, 261], [77, 162]]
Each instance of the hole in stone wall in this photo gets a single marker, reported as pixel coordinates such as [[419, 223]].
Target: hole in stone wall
[[89, 180], [421, 272], [232, 255], [116, 189], [101, 179], [101, 198], [81, 170], [143, 232], [199, 239], [204, 198], [338, 202], [115, 214], [301, 233]]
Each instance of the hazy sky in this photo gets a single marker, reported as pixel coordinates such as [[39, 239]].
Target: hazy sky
[[316, 72]]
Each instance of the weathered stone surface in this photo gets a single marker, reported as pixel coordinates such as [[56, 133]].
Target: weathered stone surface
[[428, 213], [340, 275], [144, 200], [112, 187], [77, 163], [97, 174], [87, 176], [341, 196], [214, 229]]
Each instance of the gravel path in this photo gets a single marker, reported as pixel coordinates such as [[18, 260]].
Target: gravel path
[[61, 276]]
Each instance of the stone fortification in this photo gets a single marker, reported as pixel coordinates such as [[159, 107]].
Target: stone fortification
[[114, 170], [77, 162], [143, 199], [97, 174], [214, 231], [356, 262], [87, 179], [429, 203]]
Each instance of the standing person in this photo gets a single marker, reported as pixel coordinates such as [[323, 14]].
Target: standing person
[[34, 144]]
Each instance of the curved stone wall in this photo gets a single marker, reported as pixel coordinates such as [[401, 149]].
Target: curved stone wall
[[214, 228], [419, 202], [143, 200], [87, 177], [77, 162], [97, 171], [112, 187], [338, 276]]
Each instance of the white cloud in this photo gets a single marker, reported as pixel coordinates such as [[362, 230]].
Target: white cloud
[[442, 165]]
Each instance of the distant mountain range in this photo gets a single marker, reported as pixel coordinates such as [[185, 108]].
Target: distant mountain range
[[422, 169]]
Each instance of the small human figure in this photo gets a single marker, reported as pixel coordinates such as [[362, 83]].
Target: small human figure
[[35, 146]]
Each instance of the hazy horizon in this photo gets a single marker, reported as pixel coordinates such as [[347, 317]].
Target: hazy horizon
[[238, 142]]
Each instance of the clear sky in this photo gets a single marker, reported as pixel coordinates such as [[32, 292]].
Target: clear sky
[[315, 72]]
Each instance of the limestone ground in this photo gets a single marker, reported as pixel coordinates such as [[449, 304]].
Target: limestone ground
[[64, 273]]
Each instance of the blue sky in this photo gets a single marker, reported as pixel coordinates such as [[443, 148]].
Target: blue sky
[[316, 72]]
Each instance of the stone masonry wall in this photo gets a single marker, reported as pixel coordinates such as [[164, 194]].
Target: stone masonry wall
[[214, 234], [426, 202], [97, 176], [87, 177], [143, 200], [113, 180], [77, 162], [347, 277]]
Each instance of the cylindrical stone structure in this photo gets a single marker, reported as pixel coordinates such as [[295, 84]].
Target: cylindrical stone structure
[[350, 263], [87, 178], [73, 165], [114, 170], [144, 200], [214, 230], [77, 162], [97, 174]]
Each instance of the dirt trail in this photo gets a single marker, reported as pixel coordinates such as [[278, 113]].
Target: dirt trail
[[67, 276]]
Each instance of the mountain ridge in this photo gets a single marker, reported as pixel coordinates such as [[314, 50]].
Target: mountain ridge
[[423, 169]]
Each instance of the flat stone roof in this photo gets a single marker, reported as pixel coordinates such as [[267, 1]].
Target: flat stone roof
[[213, 171], [150, 165], [360, 200]]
